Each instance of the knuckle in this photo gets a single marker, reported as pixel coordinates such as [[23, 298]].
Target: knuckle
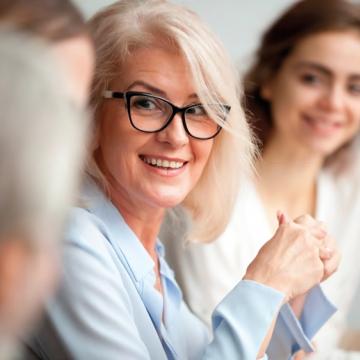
[[300, 219]]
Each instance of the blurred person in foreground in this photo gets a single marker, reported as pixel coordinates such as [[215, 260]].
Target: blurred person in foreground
[[42, 140], [60, 24], [169, 131], [302, 96]]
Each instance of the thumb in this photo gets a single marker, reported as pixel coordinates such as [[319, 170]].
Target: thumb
[[282, 217]]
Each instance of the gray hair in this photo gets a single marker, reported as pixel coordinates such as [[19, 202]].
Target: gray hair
[[42, 135]]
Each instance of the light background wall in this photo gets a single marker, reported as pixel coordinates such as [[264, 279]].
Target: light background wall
[[239, 24]]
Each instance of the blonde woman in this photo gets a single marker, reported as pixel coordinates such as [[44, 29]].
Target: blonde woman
[[169, 131]]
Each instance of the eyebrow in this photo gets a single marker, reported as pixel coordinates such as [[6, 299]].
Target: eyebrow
[[314, 66], [322, 69], [155, 90]]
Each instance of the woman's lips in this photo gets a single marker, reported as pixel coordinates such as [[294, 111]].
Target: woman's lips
[[322, 126]]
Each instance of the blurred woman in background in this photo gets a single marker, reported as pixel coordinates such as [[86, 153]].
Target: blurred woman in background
[[302, 96]]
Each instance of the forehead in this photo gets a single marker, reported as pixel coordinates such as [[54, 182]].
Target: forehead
[[163, 68], [339, 51]]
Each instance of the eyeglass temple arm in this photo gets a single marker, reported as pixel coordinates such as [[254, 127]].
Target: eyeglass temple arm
[[108, 94]]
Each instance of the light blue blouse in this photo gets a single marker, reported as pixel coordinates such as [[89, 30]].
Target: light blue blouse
[[107, 306]]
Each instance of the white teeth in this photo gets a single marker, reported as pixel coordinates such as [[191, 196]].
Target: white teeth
[[163, 163]]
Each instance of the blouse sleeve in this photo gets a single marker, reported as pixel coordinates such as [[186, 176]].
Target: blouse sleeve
[[241, 321], [291, 334]]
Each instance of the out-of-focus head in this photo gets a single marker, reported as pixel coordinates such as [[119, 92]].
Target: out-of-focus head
[[61, 24], [41, 150], [128, 33], [312, 53]]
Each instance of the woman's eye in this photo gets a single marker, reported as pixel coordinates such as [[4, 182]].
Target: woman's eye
[[145, 103], [311, 79], [197, 110], [354, 89]]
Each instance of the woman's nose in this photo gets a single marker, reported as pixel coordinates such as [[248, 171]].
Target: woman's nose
[[174, 134], [333, 98]]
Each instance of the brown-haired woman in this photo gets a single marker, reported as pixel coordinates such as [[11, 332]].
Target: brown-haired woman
[[303, 103]]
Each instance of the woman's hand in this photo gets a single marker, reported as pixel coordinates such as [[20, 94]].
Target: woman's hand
[[331, 264], [296, 258]]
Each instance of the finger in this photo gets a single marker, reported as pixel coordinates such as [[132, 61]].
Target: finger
[[330, 242], [306, 219], [331, 265], [326, 253], [319, 233], [282, 217], [322, 225]]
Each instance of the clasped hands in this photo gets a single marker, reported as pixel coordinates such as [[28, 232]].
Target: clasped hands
[[300, 255]]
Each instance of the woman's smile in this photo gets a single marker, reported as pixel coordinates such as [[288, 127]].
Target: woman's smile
[[164, 166]]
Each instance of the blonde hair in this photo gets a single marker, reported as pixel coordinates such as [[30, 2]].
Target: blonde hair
[[41, 140], [127, 25]]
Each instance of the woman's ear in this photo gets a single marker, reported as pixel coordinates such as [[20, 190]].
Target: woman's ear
[[266, 90]]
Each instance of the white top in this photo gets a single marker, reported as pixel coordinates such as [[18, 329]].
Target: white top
[[210, 271]]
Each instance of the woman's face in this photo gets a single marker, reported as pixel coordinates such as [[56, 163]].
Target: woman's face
[[124, 153], [76, 58], [315, 96]]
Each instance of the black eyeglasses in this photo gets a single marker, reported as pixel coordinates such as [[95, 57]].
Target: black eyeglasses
[[149, 113]]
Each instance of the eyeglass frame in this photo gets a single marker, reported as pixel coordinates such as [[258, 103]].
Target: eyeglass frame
[[127, 95]]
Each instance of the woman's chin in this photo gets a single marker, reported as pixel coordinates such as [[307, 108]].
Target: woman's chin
[[169, 200]]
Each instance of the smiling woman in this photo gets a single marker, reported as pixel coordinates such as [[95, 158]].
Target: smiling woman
[[161, 72], [169, 132]]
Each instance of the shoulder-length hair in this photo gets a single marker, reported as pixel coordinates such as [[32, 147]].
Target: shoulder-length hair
[[127, 25], [303, 19]]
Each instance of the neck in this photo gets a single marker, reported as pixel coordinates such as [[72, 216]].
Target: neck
[[287, 180], [289, 165], [145, 221], [143, 218]]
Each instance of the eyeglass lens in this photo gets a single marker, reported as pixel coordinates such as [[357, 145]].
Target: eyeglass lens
[[151, 114]]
